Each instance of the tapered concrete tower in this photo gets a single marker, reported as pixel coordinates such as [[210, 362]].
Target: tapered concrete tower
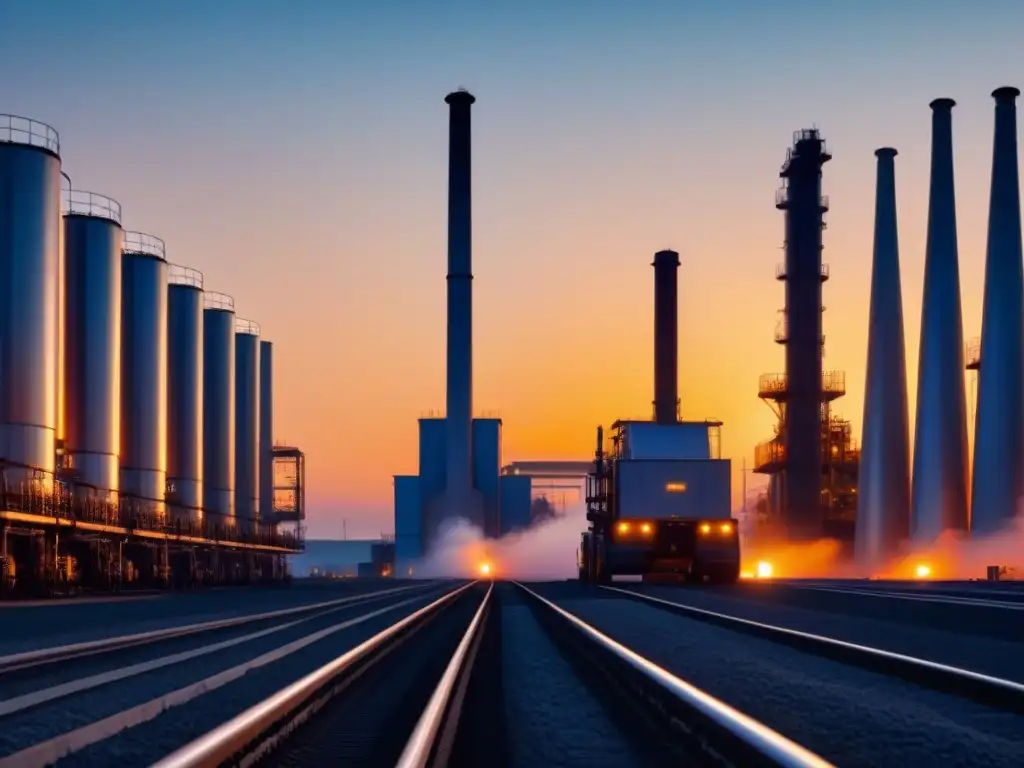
[[998, 438], [939, 494], [883, 494]]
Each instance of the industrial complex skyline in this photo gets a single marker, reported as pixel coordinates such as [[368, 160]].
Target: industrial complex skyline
[[301, 165]]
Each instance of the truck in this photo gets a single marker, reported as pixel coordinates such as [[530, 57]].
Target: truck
[[659, 506]]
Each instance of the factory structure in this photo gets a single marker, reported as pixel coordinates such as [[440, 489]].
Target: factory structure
[[460, 472], [136, 409], [872, 497], [811, 461]]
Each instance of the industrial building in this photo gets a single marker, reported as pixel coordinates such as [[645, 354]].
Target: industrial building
[[459, 474], [812, 457], [812, 461], [132, 409]]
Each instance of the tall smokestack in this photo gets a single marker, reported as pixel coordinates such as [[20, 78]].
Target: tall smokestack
[[460, 301], [1000, 419], [883, 513], [666, 337], [939, 494]]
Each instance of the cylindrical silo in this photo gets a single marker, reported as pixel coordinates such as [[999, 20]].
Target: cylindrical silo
[[185, 393], [219, 408], [247, 422], [30, 222], [93, 242], [266, 431], [144, 371]]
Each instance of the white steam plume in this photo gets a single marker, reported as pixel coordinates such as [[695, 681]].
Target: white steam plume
[[545, 551]]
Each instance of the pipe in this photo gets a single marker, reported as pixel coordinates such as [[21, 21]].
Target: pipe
[[883, 494], [998, 446], [939, 492], [666, 337], [459, 425]]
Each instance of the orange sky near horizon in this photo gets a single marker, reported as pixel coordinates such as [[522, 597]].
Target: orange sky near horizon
[[296, 154]]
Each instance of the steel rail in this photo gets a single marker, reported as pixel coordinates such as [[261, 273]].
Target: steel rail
[[985, 689], [770, 747], [27, 659], [231, 738], [420, 745]]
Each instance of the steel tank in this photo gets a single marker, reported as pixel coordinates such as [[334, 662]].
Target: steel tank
[[247, 423], [144, 372], [93, 242], [30, 223], [185, 393], [219, 408], [266, 432]]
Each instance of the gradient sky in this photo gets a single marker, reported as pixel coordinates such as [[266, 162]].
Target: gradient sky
[[295, 152]]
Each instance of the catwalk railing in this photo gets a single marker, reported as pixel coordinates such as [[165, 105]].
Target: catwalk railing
[[81, 503]]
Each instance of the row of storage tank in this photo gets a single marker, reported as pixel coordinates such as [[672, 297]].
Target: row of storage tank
[[119, 373]]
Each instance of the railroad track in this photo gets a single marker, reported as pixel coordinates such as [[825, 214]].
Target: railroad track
[[417, 694], [987, 690], [64, 701]]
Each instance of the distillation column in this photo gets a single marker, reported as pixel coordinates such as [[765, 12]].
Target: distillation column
[[804, 205]]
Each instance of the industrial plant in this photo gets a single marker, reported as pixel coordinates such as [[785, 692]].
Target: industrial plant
[[811, 460], [136, 410], [822, 485], [460, 475]]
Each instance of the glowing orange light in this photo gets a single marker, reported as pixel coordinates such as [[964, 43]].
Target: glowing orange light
[[646, 527], [623, 527], [705, 528], [485, 569], [923, 571], [764, 570], [726, 527]]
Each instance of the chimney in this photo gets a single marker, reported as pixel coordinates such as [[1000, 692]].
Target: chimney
[[998, 437], [459, 416], [939, 493], [666, 337], [883, 498]]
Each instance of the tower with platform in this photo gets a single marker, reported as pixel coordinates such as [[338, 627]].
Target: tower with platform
[[812, 460]]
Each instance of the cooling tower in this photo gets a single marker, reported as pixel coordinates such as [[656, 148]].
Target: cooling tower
[[219, 408], [266, 432], [247, 422], [1000, 418], [144, 370], [883, 493], [939, 494], [666, 337], [185, 393], [93, 242], [459, 469], [30, 221]]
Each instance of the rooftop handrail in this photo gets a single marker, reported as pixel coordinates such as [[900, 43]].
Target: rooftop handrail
[[15, 129], [179, 275], [221, 301], [247, 327], [149, 245], [226, 740], [80, 203]]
